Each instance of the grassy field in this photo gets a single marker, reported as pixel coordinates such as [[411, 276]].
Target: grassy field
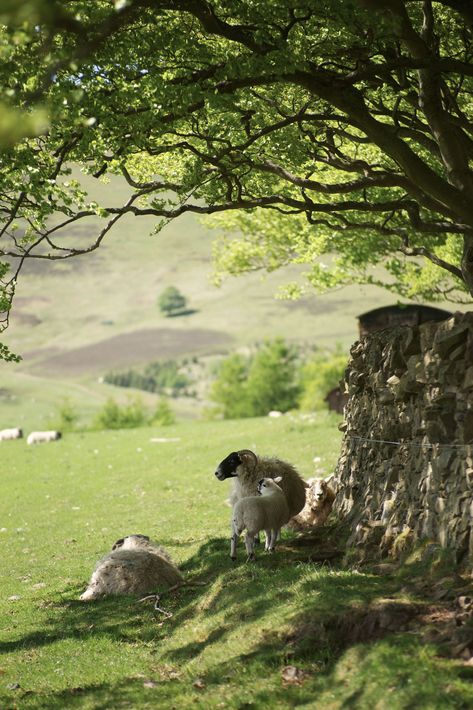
[[263, 635]]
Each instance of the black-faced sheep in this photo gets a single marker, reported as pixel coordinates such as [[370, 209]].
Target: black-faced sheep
[[135, 565], [9, 434], [247, 469], [266, 511], [319, 501], [42, 437]]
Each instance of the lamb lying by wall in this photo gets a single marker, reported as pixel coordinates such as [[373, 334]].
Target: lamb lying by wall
[[319, 501], [9, 434], [135, 565], [41, 437], [267, 511]]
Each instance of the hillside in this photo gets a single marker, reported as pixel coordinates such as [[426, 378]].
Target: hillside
[[74, 320]]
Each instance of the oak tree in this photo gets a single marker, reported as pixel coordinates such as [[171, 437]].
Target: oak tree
[[335, 133]]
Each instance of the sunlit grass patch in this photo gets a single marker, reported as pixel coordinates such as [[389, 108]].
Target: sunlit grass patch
[[279, 633]]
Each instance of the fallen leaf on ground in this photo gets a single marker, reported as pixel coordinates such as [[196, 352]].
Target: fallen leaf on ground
[[291, 675], [199, 684]]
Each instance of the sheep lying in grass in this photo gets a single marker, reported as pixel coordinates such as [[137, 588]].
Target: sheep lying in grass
[[267, 511], [135, 565], [41, 437], [247, 470], [9, 434], [319, 501]]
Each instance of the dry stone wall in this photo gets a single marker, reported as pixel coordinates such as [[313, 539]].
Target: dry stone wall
[[414, 386]]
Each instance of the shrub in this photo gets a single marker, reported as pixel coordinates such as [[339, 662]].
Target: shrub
[[67, 417], [171, 301], [251, 387], [319, 376], [163, 414], [113, 416]]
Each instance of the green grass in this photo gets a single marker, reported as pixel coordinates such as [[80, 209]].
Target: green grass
[[64, 504]]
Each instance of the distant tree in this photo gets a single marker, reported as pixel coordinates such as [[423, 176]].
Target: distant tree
[[251, 387], [319, 377], [272, 378], [171, 301]]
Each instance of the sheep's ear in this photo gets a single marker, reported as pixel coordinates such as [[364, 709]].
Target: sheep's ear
[[277, 479], [248, 457]]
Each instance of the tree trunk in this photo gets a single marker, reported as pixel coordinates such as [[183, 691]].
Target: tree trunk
[[405, 471], [467, 261]]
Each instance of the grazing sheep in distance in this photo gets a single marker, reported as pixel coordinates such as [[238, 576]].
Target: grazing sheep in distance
[[9, 434], [319, 501], [247, 469], [267, 511], [40, 437], [135, 565]]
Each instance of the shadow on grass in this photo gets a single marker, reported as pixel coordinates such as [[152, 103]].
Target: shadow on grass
[[182, 312], [321, 609]]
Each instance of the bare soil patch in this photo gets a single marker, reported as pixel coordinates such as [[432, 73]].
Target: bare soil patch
[[129, 349]]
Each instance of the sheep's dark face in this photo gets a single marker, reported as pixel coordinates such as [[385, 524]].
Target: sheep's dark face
[[229, 466], [121, 541]]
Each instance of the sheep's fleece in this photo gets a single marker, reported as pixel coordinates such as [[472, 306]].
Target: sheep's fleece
[[268, 512], [135, 565]]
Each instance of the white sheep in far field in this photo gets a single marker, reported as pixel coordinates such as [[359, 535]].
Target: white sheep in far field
[[135, 565], [267, 511], [41, 437], [9, 434]]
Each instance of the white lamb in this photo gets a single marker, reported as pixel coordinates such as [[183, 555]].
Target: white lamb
[[247, 469], [41, 437], [135, 565], [9, 434], [267, 511]]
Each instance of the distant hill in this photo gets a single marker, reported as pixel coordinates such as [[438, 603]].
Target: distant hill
[[74, 320]]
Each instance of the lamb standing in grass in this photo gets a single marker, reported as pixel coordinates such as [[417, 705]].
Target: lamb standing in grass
[[247, 470], [135, 565], [42, 437], [267, 511], [10, 434]]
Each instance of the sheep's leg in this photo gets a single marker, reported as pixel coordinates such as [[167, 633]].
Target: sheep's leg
[[256, 538], [274, 538], [267, 534], [250, 546], [233, 541]]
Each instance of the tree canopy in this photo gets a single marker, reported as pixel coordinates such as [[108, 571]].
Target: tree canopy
[[335, 133]]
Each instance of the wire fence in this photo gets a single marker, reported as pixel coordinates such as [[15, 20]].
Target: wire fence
[[412, 444]]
